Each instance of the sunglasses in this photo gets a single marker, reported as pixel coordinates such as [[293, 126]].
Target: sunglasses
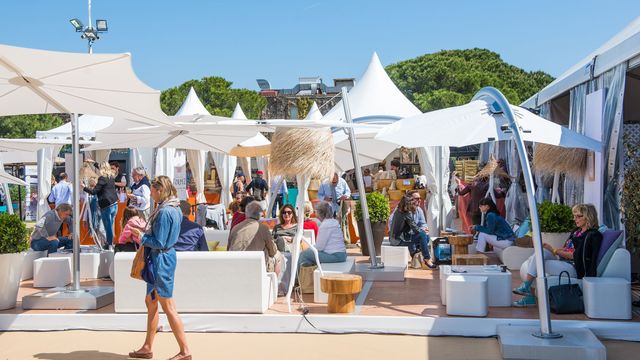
[[578, 216], [287, 212]]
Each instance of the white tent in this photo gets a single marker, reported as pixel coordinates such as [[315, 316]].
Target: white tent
[[8, 179], [622, 47], [87, 127], [475, 123]]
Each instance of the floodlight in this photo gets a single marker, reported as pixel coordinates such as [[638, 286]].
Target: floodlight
[[77, 24], [101, 25], [89, 34]]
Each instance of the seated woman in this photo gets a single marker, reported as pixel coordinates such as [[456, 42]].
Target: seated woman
[[330, 241], [285, 230], [405, 232], [495, 231], [578, 256], [309, 223]]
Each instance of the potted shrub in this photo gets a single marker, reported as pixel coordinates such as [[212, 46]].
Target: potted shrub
[[378, 214], [13, 241], [556, 223]]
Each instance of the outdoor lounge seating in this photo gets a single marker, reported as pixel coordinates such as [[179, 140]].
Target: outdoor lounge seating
[[206, 282], [93, 265], [27, 266], [607, 298], [51, 272], [467, 295]]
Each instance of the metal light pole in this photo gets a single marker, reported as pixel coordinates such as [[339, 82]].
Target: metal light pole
[[90, 33], [75, 141], [363, 195], [499, 104]]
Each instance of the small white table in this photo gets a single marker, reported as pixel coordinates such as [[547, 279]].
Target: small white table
[[498, 282]]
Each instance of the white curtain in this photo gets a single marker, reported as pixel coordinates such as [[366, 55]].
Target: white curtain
[[614, 82], [165, 162], [7, 194], [543, 192], [226, 169], [46, 157], [516, 202], [102, 155], [196, 159], [573, 190], [431, 160]]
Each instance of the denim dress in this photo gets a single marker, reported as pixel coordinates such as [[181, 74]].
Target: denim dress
[[164, 235]]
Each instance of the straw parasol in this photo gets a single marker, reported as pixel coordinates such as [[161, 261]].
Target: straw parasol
[[492, 167], [550, 159], [302, 151]]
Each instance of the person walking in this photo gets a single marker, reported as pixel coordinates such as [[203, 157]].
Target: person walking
[[163, 229]]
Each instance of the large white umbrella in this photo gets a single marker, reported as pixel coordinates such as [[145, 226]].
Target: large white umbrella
[[476, 123], [8, 179], [39, 81]]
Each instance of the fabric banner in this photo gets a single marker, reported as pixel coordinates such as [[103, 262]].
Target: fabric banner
[[180, 173]]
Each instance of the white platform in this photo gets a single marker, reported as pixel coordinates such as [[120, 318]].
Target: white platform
[[499, 283], [93, 265], [51, 272], [397, 256], [516, 342]]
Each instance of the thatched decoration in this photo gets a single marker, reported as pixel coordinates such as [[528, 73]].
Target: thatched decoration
[[492, 167], [569, 161], [88, 174], [297, 151]]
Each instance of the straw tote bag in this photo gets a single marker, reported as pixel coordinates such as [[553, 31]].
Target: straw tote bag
[[138, 264]]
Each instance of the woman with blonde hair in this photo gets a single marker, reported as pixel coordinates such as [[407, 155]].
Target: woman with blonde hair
[[578, 256], [105, 191], [163, 229]]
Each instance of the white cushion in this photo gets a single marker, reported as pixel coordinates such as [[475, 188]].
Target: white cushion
[[51, 272], [215, 281], [607, 298], [514, 256], [467, 295]]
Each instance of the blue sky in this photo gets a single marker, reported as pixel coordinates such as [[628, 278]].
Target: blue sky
[[280, 40]]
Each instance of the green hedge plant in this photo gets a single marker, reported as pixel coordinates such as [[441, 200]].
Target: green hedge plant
[[378, 208], [555, 218], [13, 234]]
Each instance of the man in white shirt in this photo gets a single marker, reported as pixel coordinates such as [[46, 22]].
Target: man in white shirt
[[62, 192], [334, 191]]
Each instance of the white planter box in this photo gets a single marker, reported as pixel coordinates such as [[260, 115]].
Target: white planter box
[[10, 273]]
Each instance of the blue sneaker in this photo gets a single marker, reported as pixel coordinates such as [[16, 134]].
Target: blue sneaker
[[525, 301], [524, 289]]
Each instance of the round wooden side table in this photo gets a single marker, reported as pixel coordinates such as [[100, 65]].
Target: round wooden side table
[[461, 243], [342, 289]]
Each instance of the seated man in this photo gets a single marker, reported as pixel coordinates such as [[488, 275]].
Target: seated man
[[191, 236], [44, 235], [252, 235]]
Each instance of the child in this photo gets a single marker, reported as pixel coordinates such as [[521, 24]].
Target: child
[[132, 219]]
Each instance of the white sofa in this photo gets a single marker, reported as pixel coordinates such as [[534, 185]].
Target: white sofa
[[205, 282], [514, 256]]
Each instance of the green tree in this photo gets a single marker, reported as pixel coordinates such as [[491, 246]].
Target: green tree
[[25, 126], [451, 77], [217, 96]]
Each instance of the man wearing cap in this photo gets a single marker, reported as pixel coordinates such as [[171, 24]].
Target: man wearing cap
[[258, 186]]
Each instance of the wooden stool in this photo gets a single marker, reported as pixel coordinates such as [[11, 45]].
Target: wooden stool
[[460, 243], [469, 259], [341, 289]]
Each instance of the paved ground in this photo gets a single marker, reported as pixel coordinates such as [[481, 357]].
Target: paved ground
[[77, 345]]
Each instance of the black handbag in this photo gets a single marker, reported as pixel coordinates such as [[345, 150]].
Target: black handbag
[[566, 298]]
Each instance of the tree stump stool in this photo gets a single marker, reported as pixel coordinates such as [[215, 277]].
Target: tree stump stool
[[460, 243], [469, 259], [342, 289]]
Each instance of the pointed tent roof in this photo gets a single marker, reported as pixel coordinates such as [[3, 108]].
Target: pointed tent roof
[[238, 113], [314, 113], [87, 127], [623, 46], [374, 98], [192, 105]]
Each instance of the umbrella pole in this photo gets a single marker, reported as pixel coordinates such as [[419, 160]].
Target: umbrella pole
[[76, 202], [500, 104], [363, 195]]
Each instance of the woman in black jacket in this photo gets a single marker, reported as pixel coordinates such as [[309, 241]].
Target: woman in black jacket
[[579, 253], [405, 232], [105, 190]]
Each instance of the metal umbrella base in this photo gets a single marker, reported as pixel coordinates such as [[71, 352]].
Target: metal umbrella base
[[65, 298]]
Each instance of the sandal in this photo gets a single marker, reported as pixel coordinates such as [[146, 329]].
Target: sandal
[[140, 355], [181, 357]]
